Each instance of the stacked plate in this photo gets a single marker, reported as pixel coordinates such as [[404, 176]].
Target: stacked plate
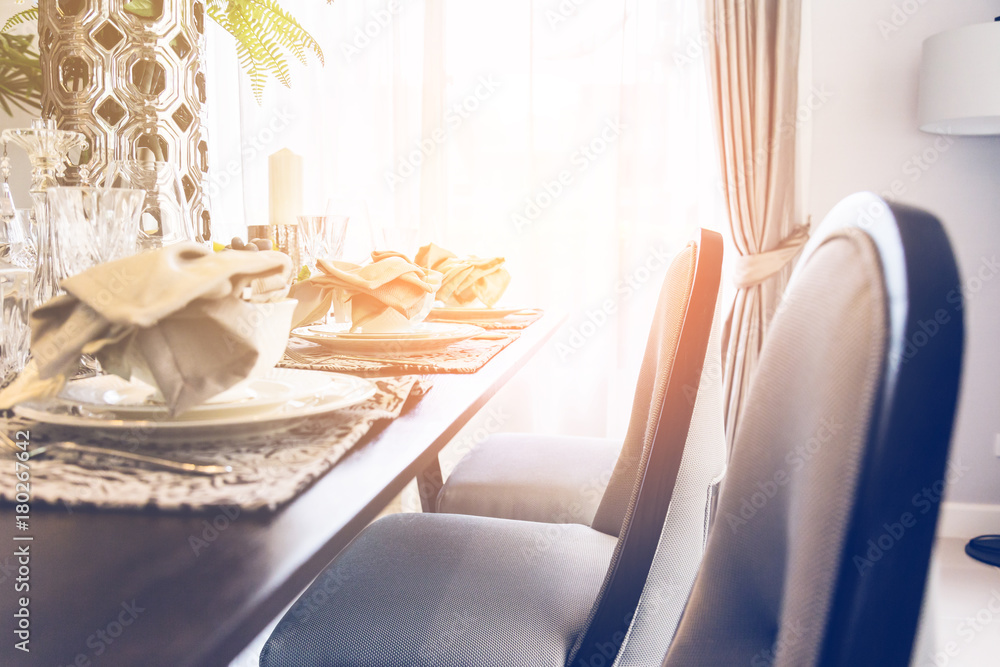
[[422, 337], [109, 404], [486, 316], [483, 314]]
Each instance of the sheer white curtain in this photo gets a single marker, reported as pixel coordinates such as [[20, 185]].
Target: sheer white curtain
[[573, 138]]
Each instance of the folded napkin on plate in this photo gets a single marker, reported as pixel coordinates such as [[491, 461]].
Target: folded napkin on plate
[[465, 279], [390, 282], [183, 316]]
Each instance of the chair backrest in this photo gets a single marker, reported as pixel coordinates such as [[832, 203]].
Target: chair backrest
[[657, 363], [820, 549], [647, 470], [682, 539]]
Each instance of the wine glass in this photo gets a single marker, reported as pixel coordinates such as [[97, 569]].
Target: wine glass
[[17, 244], [357, 237], [166, 216], [321, 237], [89, 226], [400, 238], [15, 304]]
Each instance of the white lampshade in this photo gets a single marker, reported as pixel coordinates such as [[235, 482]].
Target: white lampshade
[[960, 81]]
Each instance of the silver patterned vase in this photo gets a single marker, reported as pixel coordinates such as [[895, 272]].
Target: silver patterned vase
[[133, 85]]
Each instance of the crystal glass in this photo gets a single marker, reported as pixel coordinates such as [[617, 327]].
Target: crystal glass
[[400, 238], [16, 299], [321, 237], [90, 226], [17, 244], [48, 148], [357, 239], [166, 216]]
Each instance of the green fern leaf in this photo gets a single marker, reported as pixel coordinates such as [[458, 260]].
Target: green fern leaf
[[257, 78], [284, 27], [259, 55], [264, 50], [20, 74], [264, 33], [20, 18]]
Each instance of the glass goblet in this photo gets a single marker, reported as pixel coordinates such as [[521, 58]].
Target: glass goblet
[[17, 243], [89, 226], [166, 216], [15, 304], [321, 237]]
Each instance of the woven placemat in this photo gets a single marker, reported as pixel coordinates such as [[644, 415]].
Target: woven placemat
[[269, 469], [465, 357]]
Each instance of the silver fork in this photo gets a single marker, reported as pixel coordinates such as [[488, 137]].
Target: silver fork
[[167, 464]]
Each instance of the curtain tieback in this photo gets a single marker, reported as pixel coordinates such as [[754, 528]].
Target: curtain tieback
[[752, 270]]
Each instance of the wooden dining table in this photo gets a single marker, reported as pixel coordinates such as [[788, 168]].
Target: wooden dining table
[[127, 588]]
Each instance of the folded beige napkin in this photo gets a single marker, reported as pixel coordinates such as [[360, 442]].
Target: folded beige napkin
[[465, 279], [390, 282], [181, 317]]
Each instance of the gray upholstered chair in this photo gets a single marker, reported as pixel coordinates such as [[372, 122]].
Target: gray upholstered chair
[[558, 478], [821, 545], [531, 477], [449, 590]]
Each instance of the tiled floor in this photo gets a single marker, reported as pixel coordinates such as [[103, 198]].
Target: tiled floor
[[962, 615]]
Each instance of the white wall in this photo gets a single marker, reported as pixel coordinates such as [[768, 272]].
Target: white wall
[[866, 54]]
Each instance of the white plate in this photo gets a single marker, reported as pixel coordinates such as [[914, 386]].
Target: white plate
[[135, 399], [424, 337], [461, 313], [343, 391], [343, 332]]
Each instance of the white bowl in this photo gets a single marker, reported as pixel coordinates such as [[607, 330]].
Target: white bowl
[[390, 320], [270, 335], [266, 327]]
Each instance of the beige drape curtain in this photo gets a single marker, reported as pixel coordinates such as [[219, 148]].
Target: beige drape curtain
[[753, 80]]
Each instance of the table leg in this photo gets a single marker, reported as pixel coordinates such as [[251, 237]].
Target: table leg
[[429, 483]]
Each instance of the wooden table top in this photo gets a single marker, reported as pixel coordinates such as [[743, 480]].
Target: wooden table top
[[127, 588]]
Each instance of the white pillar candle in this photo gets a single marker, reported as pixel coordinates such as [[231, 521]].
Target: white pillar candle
[[285, 175]]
